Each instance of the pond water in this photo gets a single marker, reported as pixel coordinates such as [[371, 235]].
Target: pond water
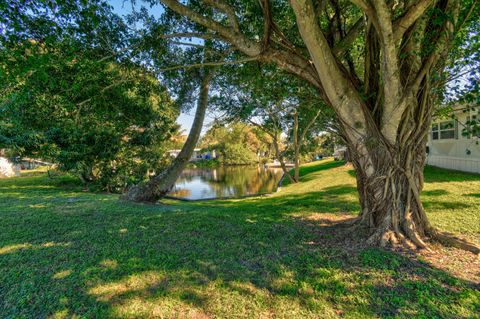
[[226, 181]]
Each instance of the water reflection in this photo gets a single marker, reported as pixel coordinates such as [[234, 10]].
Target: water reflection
[[229, 181]]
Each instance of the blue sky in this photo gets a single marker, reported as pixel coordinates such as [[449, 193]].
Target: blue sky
[[123, 7]]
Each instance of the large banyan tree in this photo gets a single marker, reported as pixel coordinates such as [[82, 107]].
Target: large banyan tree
[[377, 63]]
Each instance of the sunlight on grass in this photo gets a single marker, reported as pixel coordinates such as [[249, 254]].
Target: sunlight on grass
[[37, 206], [13, 248], [60, 314], [157, 308], [137, 282], [62, 274], [448, 202], [108, 263]]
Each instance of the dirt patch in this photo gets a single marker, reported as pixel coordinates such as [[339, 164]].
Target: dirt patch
[[458, 262]]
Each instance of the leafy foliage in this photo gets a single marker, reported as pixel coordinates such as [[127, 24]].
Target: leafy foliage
[[69, 97]]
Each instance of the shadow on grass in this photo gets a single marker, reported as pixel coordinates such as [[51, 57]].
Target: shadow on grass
[[352, 173], [435, 192], [440, 175], [97, 257], [437, 205]]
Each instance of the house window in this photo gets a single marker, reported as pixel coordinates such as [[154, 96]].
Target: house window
[[444, 130], [447, 130]]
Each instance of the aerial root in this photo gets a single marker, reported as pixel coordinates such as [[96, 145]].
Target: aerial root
[[413, 236], [380, 237], [355, 226]]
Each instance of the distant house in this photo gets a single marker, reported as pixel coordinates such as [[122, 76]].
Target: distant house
[[26, 163], [196, 155], [448, 148]]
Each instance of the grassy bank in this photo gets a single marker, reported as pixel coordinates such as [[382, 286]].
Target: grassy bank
[[67, 253]]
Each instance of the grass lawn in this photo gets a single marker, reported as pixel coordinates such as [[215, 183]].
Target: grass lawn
[[65, 253]]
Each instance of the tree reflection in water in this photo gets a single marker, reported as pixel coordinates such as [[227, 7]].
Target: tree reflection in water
[[226, 181]]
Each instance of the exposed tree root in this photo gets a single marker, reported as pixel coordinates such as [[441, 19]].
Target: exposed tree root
[[391, 238], [450, 240], [409, 238]]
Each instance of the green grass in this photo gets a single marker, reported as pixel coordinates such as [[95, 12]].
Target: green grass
[[452, 201], [65, 253]]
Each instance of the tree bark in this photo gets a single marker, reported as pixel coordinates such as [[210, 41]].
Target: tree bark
[[160, 185], [296, 146]]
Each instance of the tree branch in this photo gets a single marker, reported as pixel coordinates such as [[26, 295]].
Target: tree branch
[[338, 88], [198, 65], [286, 60], [228, 10], [404, 22], [205, 36], [309, 124], [237, 39], [446, 33], [390, 72], [369, 12], [467, 16], [267, 22], [171, 68], [341, 47]]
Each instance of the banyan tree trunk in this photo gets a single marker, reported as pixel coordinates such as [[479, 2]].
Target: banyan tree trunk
[[389, 182], [389, 187], [160, 185]]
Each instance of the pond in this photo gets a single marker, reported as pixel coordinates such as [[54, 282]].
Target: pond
[[226, 181]]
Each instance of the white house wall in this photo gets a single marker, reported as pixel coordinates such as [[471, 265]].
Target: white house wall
[[460, 164], [452, 153]]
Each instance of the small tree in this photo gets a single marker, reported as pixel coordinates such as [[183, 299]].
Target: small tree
[[159, 185], [71, 92]]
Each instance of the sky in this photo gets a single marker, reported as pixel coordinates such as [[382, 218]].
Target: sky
[[123, 7]]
